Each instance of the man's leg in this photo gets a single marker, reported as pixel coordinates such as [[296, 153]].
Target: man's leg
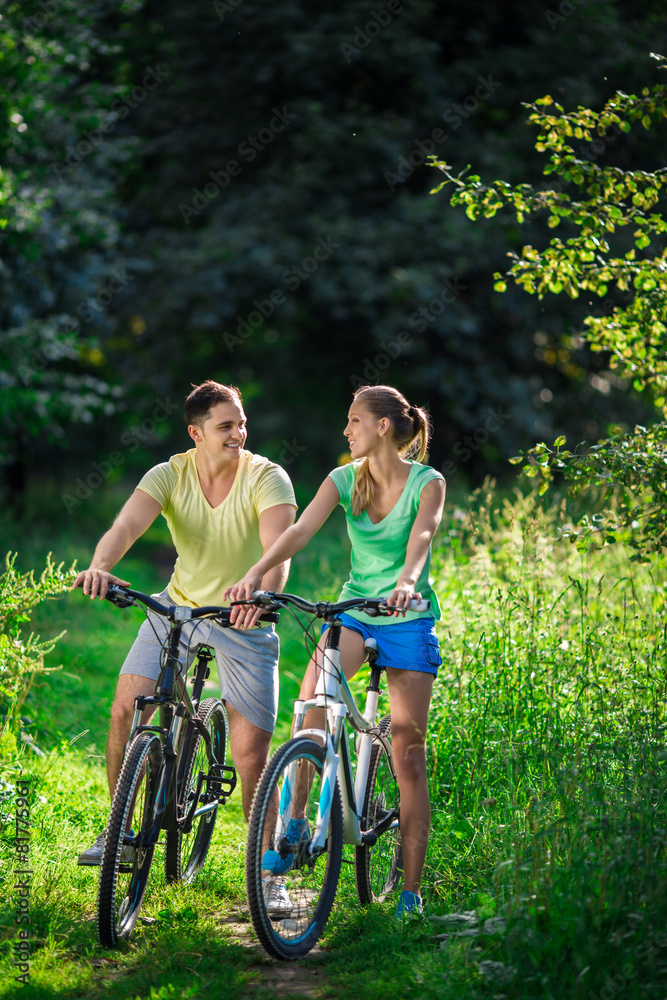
[[250, 751], [129, 687]]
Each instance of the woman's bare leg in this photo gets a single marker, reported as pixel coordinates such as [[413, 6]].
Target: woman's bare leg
[[410, 698], [352, 655]]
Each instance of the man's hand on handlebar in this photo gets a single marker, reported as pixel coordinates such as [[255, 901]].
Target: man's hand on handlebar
[[95, 582], [244, 616]]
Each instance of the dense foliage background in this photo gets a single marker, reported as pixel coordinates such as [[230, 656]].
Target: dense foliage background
[[239, 190]]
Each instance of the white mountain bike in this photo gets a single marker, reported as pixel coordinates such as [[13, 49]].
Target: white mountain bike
[[309, 802]]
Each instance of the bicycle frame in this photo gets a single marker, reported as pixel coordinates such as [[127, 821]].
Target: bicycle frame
[[333, 694], [174, 704], [169, 727]]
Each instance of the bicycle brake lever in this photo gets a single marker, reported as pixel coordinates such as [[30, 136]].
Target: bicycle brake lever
[[117, 596], [264, 599]]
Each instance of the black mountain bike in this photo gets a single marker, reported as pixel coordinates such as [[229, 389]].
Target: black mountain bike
[[173, 777]]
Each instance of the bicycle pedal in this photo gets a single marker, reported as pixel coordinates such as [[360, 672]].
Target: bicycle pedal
[[221, 781]]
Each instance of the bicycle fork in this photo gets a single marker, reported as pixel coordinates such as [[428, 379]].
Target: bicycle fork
[[370, 714], [330, 687]]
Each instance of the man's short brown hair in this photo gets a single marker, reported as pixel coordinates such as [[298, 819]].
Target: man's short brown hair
[[204, 397]]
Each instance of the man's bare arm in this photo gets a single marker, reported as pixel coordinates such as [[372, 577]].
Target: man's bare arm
[[272, 524], [134, 519]]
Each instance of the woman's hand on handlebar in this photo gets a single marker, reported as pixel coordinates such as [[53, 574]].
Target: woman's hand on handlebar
[[244, 617], [95, 582], [244, 589], [400, 597]]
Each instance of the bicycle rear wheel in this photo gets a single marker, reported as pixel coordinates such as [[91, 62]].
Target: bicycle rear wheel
[[185, 853], [122, 879], [379, 869], [282, 822]]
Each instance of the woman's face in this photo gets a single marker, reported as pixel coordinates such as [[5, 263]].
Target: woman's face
[[363, 431]]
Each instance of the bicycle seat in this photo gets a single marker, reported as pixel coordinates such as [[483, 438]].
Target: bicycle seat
[[371, 647]]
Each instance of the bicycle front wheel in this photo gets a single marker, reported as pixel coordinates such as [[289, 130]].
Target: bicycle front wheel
[[185, 853], [379, 869], [128, 853], [290, 890]]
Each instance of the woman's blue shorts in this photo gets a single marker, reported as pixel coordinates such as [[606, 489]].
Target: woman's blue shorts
[[411, 645]]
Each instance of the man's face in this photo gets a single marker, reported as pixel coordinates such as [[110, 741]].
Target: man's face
[[224, 432]]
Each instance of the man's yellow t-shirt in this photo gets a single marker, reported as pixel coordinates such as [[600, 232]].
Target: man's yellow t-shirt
[[215, 545]]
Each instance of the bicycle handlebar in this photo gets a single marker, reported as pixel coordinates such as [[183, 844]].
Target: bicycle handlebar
[[373, 606], [123, 597]]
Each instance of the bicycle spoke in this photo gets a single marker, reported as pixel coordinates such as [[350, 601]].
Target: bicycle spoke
[[379, 869], [128, 853], [186, 852], [290, 890]]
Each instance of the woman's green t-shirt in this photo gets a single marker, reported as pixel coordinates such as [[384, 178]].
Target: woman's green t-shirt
[[378, 550]]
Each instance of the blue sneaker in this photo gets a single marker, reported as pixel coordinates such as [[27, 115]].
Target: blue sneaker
[[297, 830], [409, 903]]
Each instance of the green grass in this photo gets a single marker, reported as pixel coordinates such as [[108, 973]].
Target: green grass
[[547, 772]]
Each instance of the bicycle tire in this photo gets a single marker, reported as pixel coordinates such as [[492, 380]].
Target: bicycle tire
[[378, 870], [312, 881], [122, 886], [185, 854]]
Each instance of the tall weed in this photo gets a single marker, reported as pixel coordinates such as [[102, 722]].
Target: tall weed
[[21, 654], [548, 730]]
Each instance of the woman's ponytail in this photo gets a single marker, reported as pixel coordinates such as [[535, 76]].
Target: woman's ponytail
[[364, 489], [422, 432]]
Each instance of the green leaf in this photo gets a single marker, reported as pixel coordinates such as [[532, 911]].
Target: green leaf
[[560, 441], [645, 281], [500, 286]]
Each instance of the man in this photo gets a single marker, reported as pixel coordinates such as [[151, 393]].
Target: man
[[224, 506]]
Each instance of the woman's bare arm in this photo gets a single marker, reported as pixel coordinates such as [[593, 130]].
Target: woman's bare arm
[[429, 515], [290, 542]]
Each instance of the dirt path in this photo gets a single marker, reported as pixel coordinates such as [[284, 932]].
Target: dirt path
[[287, 980]]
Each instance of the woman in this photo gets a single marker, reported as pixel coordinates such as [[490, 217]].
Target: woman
[[393, 506]]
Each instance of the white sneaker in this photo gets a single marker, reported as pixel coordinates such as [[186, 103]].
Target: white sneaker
[[93, 856], [276, 898]]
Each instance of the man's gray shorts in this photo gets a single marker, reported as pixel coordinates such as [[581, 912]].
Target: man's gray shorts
[[247, 662]]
